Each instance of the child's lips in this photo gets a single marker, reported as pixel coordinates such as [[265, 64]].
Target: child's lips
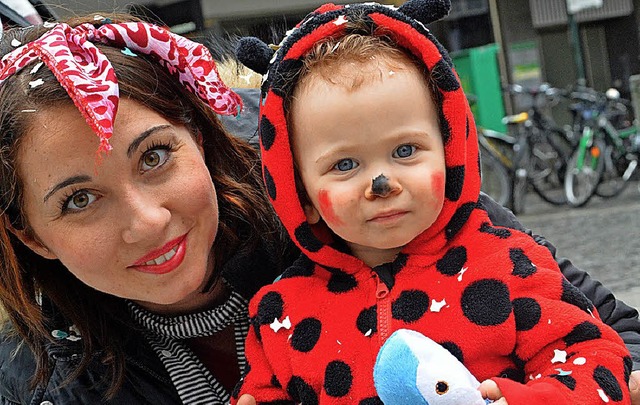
[[388, 216]]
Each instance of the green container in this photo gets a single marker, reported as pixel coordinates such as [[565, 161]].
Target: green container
[[480, 77]]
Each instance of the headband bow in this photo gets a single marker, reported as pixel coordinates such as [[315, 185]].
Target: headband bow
[[90, 80]]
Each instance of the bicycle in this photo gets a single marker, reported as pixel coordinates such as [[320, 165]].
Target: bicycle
[[534, 153], [608, 150]]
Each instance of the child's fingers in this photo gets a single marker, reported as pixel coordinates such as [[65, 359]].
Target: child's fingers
[[489, 390], [247, 399]]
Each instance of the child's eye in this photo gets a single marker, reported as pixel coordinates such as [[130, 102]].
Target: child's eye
[[345, 165], [156, 156], [404, 151], [78, 201]]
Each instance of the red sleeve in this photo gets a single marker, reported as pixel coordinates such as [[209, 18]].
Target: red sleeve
[[260, 381], [569, 355]]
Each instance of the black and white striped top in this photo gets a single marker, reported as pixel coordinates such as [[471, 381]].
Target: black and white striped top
[[192, 380]]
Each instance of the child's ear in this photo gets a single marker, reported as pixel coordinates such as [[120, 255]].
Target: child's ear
[[312, 214], [32, 243]]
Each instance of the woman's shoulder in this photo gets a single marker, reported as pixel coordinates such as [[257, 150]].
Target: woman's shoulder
[[17, 365]]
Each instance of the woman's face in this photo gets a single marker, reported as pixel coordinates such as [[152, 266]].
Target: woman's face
[[138, 223]]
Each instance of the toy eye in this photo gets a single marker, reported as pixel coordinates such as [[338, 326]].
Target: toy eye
[[442, 387]]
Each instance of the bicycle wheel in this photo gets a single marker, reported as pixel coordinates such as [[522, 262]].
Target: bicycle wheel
[[581, 183], [617, 170], [495, 178], [549, 157]]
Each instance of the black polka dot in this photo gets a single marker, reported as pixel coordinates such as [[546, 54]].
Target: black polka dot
[[300, 391], [582, 333], [269, 308], [566, 380], [486, 302], [341, 282], [522, 266], [444, 77], [371, 401], [337, 379], [502, 233], [285, 77], [454, 184], [267, 133], [269, 183], [275, 382], [572, 295], [607, 381], [306, 334], [367, 322], [445, 127], [453, 261], [527, 313], [410, 306], [304, 235], [459, 219], [454, 349], [513, 374]]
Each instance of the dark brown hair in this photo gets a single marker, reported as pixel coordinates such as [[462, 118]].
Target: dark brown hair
[[245, 215]]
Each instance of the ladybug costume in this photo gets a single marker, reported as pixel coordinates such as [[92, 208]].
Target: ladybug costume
[[490, 295]]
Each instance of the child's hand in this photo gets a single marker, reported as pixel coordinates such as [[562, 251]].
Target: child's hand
[[247, 399], [489, 390]]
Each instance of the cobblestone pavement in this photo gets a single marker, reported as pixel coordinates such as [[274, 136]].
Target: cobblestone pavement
[[602, 238]]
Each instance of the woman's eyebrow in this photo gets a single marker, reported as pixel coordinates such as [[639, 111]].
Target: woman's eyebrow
[[65, 183], [144, 135]]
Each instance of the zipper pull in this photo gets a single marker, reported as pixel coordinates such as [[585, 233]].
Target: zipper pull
[[381, 289]]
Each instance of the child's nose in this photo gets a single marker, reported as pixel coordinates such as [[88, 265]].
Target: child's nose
[[382, 187]]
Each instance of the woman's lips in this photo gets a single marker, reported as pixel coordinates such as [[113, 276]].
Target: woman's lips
[[165, 259]]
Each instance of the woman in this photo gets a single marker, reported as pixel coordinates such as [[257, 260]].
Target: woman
[[100, 249], [126, 274]]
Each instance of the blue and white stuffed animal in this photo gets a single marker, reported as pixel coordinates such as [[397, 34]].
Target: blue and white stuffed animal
[[413, 369]]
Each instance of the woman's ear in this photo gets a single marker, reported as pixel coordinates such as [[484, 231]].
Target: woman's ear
[[312, 214], [32, 242]]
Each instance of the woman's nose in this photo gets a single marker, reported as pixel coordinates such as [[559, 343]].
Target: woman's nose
[[382, 187], [145, 218]]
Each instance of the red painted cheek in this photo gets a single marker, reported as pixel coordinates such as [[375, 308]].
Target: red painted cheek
[[326, 208], [437, 185]]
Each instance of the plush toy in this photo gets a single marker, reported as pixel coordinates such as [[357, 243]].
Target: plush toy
[[413, 369]]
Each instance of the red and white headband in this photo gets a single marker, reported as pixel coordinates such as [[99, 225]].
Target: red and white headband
[[89, 78]]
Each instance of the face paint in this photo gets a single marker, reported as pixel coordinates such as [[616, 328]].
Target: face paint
[[437, 184], [380, 186], [326, 208]]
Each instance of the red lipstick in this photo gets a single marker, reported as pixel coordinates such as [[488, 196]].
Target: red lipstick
[[163, 260]]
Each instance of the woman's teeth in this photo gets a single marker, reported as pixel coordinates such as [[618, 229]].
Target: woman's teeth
[[162, 258]]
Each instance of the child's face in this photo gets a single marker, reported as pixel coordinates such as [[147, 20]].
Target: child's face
[[344, 138]]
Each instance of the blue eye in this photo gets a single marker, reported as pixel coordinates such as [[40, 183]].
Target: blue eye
[[404, 151], [345, 165]]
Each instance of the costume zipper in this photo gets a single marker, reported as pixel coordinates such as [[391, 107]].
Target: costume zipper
[[384, 309]]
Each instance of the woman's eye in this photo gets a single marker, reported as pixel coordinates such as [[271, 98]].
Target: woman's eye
[[154, 158], [79, 201], [345, 165], [404, 151]]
